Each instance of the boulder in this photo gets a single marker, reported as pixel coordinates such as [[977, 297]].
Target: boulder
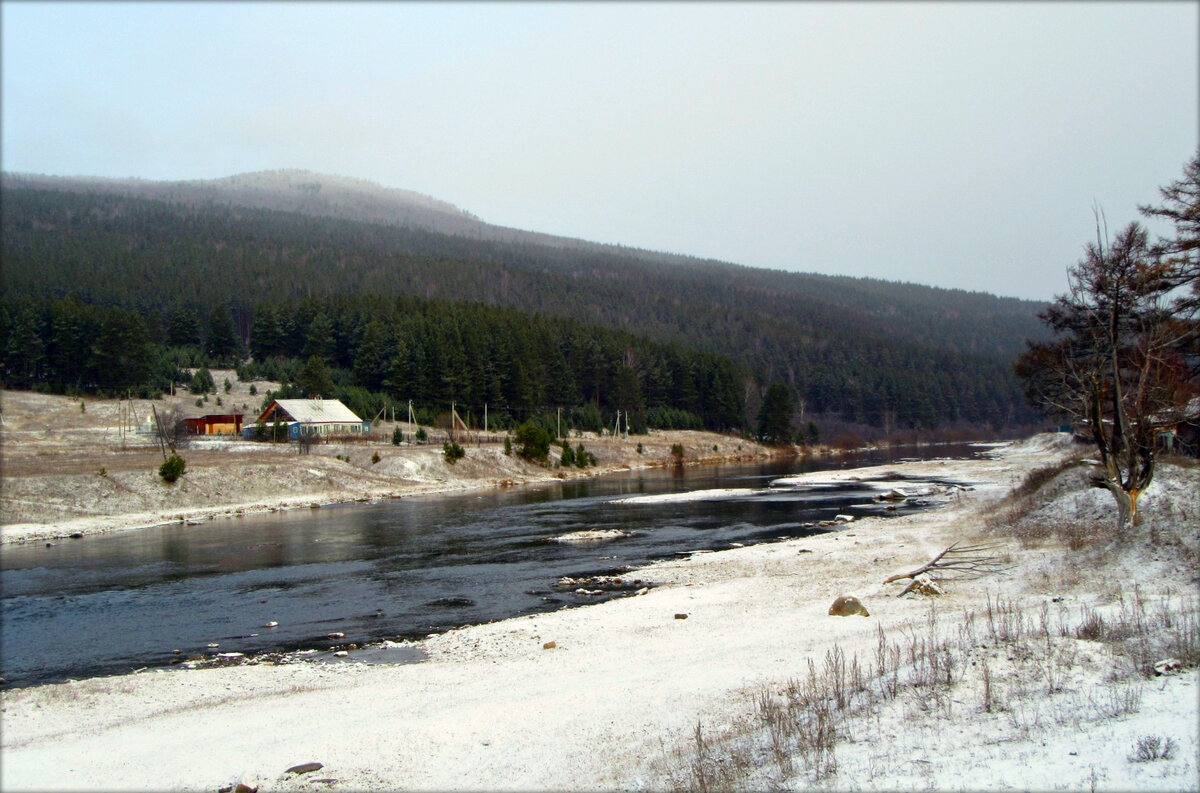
[[847, 605]]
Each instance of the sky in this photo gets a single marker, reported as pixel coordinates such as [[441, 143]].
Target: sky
[[964, 145]]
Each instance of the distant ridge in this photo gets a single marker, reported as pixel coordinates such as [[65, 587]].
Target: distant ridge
[[324, 195]]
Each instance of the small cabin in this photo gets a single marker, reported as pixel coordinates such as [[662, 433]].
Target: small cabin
[[215, 424], [313, 418]]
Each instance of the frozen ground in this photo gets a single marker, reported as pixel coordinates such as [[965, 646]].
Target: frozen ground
[[615, 700]]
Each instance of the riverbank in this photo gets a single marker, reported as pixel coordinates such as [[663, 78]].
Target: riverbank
[[610, 696], [70, 472]]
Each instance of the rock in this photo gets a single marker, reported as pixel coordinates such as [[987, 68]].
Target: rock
[[336, 635], [341, 654], [894, 494], [272, 624], [681, 616], [76, 535], [847, 605], [231, 655], [923, 585], [843, 518], [49, 545], [213, 645], [242, 787], [549, 645], [304, 768], [1168, 666]]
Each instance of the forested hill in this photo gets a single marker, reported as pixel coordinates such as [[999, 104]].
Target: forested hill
[[869, 351]]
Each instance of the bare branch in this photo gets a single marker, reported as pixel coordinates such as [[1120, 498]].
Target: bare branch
[[960, 562]]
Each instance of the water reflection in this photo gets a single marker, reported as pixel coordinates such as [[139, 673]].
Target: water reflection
[[115, 602]]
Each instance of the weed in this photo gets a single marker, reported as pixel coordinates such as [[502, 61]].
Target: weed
[[1151, 747]]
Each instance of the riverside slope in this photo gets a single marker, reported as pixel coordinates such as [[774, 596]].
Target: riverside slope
[[626, 680]]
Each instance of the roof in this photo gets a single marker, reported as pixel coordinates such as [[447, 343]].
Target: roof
[[318, 411]]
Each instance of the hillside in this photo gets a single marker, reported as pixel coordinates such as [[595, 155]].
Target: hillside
[[861, 351]]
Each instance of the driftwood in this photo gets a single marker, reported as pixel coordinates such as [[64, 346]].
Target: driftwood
[[965, 561]]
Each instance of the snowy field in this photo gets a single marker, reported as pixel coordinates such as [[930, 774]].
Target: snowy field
[[664, 689]]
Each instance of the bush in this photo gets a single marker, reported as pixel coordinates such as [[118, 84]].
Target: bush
[[533, 442], [397, 436], [581, 457], [677, 451], [452, 452], [508, 445], [375, 458], [172, 469], [567, 457], [202, 381], [422, 436]]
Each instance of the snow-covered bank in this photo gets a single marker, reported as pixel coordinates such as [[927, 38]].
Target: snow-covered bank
[[495, 707], [68, 473]]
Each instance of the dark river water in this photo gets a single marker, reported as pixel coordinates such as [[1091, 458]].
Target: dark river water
[[407, 568]]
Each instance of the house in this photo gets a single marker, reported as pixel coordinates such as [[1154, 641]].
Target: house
[[312, 417], [215, 424]]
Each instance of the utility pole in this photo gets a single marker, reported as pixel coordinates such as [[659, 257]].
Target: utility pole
[[617, 428], [558, 424]]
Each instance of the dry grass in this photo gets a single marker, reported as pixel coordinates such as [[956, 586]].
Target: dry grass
[[1022, 666]]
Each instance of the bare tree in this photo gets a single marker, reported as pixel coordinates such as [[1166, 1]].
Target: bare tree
[[1116, 367]]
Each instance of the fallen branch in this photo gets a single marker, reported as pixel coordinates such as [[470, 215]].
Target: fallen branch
[[966, 561]]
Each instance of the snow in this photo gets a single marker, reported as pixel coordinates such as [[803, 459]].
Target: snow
[[714, 494], [626, 681]]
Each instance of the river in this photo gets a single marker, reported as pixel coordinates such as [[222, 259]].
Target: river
[[406, 568]]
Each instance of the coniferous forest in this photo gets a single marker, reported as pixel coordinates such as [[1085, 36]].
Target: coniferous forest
[[108, 293]]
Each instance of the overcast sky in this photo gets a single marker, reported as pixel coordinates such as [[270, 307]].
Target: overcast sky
[[958, 144]]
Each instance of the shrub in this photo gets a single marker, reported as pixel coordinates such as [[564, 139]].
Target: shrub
[[567, 457], [508, 445], [677, 451], [422, 436], [172, 469], [452, 452], [228, 385], [375, 458], [202, 381], [253, 390], [641, 449], [533, 442], [582, 456], [397, 436]]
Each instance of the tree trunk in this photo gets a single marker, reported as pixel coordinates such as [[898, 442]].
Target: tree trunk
[[1126, 502]]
